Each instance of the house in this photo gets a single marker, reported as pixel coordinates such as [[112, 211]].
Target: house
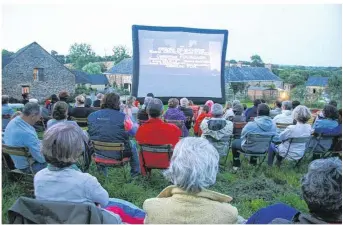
[[316, 84], [121, 74], [33, 70], [95, 81], [267, 94]]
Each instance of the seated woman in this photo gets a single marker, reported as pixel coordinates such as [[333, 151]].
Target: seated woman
[[301, 114], [53, 100], [59, 114], [322, 191], [130, 110], [195, 109], [80, 111], [111, 125], [204, 114], [174, 113], [209, 103], [238, 113], [329, 119], [187, 111], [7, 111], [193, 167]]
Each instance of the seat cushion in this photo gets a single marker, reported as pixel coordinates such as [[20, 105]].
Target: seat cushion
[[109, 161]]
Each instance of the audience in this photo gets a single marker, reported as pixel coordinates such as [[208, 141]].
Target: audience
[[59, 114], [329, 119], [20, 132], [277, 110], [25, 98], [64, 97], [286, 115], [7, 111], [204, 114], [97, 102], [80, 111], [88, 103], [238, 111], [295, 104], [301, 114], [53, 100], [228, 113], [262, 124], [142, 114], [193, 167], [130, 110], [174, 113], [217, 130], [187, 111], [209, 103], [111, 125], [195, 109], [252, 112]]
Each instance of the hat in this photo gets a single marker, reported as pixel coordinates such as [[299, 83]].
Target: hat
[[155, 104], [217, 109], [238, 109]]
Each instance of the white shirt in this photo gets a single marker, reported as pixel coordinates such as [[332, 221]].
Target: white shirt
[[284, 117]]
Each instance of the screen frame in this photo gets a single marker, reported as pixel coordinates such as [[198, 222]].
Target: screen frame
[[135, 58]]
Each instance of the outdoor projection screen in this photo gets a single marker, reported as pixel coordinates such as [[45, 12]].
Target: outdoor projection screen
[[179, 62]]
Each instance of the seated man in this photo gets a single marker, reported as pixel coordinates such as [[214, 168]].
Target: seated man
[[7, 111], [277, 110], [20, 133], [252, 112], [111, 125], [262, 124], [155, 131], [217, 130], [286, 115]]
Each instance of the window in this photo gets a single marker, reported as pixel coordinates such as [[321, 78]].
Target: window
[[314, 90], [38, 74], [25, 89]]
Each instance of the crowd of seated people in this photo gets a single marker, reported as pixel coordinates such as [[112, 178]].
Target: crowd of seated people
[[252, 112], [286, 114], [80, 111]]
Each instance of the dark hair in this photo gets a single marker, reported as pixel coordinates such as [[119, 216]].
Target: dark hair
[[88, 102], [330, 112], [111, 101], [278, 103], [63, 95], [263, 110], [60, 110], [25, 95], [5, 99], [54, 98], [206, 108], [155, 108], [150, 95], [295, 104], [245, 106], [333, 103], [263, 101], [257, 102]]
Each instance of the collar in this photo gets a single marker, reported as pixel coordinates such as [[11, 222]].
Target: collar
[[212, 195], [155, 120], [54, 168]]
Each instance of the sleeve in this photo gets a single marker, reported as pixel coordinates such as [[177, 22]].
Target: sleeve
[[284, 135], [33, 143], [95, 192]]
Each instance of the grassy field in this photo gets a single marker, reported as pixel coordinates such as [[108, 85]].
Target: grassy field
[[251, 188]]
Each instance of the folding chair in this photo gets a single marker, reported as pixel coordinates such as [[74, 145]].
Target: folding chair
[[155, 156], [107, 161], [335, 150], [82, 122], [259, 142], [17, 151], [319, 147], [283, 126], [236, 134]]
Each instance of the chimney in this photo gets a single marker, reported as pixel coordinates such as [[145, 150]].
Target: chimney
[[268, 66], [239, 64]]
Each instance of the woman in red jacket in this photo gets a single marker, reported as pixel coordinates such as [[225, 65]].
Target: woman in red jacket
[[205, 112]]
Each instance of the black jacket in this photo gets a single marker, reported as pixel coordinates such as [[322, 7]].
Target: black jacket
[[96, 103], [80, 112], [189, 115]]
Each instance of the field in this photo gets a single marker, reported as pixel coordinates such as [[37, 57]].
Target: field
[[251, 188]]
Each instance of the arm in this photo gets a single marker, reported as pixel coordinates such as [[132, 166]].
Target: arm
[[284, 135], [95, 192], [33, 143]]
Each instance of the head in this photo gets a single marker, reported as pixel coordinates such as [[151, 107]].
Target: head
[[99, 96], [191, 102], [217, 110], [184, 102], [330, 112], [155, 108], [31, 113], [278, 104], [63, 144], [333, 103], [257, 102], [54, 98], [206, 109], [287, 105], [209, 103], [63, 96], [80, 101], [235, 102], [263, 110], [146, 102], [301, 114], [263, 101], [88, 102], [237, 109], [322, 189], [150, 95], [228, 105], [5, 99], [173, 103], [130, 100], [111, 101], [60, 111], [245, 106], [295, 104], [194, 164], [25, 96]]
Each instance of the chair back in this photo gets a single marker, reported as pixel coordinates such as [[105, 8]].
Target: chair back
[[237, 129], [156, 156], [16, 151], [258, 143], [108, 146], [283, 125], [80, 121]]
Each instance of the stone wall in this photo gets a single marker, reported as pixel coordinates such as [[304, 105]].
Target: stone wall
[[20, 72]]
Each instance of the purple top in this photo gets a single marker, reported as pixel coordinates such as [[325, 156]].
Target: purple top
[[177, 114]]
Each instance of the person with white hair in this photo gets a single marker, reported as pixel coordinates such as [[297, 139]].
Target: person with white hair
[[80, 111], [193, 168], [217, 130], [228, 113], [302, 115], [187, 111], [286, 114], [97, 102]]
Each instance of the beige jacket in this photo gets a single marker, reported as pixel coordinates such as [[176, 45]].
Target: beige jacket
[[173, 205]]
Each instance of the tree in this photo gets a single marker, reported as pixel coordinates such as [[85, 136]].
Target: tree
[[60, 58], [232, 61], [237, 87], [103, 67], [335, 87], [6, 52], [298, 93], [120, 52], [81, 54], [92, 68], [256, 61]]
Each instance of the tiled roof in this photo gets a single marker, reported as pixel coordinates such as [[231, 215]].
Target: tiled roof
[[123, 67], [7, 59], [317, 81], [82, 77]]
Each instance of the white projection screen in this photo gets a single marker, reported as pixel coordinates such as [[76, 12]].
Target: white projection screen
[[179, 62]]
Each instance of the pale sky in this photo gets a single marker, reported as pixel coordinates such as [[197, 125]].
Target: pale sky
[[281, 34]]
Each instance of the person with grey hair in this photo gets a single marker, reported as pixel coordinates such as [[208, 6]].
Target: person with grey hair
[[235, 102], [174, 113], [187, 111], [286, 114], [217, 130], [20, 132], [302, 115], [238, 111], [142, 114], [80, 111], [193, 168], [228, 113]]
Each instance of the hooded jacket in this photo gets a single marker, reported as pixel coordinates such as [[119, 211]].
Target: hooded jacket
[[284, 117], [261, 125], [218, 132]]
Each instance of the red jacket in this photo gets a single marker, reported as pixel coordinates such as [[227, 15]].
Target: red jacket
[[200, 118]]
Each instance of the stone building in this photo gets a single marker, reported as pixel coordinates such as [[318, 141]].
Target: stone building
[[121, 74], [315, 85], [33, 70]]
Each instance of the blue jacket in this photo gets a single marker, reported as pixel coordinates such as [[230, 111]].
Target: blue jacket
[[18, 133], [6, 110], [325, 123]]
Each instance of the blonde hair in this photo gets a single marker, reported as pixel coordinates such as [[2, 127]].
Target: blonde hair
[[80, 100]]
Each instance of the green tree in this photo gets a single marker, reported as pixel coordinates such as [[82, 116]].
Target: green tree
[[120, 52], [298, 92], [92, 68], [5, 52], [256, 61], [232, 61], [81, 54], [103, 67], [237, 87], [335, 87]]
